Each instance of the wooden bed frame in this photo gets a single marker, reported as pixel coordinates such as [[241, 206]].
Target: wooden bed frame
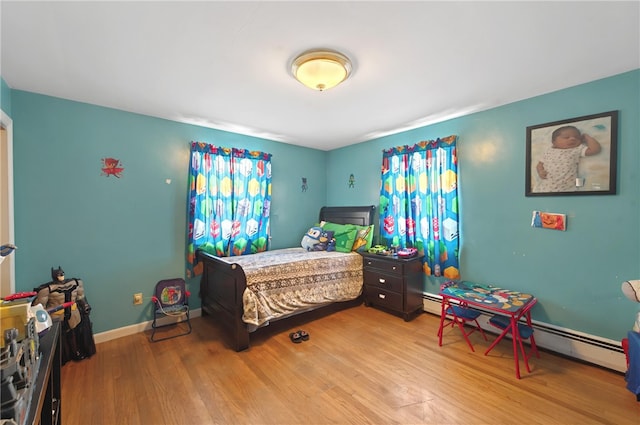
[[222, 284]]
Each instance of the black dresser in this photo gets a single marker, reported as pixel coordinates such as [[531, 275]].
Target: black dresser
[[393, 284]]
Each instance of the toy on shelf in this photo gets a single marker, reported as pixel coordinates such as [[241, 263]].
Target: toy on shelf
[[407, 252], [379, 249], [19, 295], [5, 250]]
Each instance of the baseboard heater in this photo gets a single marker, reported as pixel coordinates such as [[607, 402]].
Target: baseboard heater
[[588, 348]]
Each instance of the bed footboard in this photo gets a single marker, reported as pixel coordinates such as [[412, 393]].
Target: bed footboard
[[221, 288]]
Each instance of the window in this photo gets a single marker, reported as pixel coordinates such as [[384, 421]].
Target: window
[[419, 203], [229, 202]]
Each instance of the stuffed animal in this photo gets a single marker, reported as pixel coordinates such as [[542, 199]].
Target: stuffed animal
[[317, 239], [331, 244], [631, 289], [311, 238]]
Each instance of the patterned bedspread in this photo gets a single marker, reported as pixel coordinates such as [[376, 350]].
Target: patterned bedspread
[[286, 281]]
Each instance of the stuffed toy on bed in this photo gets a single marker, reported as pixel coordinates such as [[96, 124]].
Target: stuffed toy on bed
[[317, 239]]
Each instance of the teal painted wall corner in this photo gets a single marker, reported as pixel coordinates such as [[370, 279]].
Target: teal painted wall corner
[[5, 97], [122, 235], [576, 274]]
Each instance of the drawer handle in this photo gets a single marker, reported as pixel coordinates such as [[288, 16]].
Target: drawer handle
[[381, 280], [394, 267], [369, 263], [382, 296]]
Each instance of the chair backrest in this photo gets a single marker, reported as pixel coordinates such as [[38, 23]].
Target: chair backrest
[[171, 292]]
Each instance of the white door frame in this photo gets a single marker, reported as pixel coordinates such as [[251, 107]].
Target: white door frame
[[7, 123]]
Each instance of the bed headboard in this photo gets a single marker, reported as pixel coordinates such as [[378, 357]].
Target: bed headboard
[[362, 216]]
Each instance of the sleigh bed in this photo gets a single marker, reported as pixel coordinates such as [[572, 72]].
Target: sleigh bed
[[247, 293]]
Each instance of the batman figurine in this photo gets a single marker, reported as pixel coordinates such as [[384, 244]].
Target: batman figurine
[[77, 331]]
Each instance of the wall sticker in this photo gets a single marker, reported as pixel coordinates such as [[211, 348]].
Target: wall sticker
[[112, 167], [547, 220]]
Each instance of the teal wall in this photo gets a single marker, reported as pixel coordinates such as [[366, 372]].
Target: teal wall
[[5, 97], [576, 275], [123, 235]]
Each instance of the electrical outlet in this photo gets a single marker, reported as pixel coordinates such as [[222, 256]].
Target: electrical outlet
[[137, 298]]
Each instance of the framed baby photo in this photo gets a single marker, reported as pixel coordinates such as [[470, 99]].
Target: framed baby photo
[[575, 156]]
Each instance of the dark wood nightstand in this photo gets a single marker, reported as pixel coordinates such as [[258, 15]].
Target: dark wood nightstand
[[393, 284]]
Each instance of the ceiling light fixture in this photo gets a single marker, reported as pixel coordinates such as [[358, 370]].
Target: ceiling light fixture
[[321, 69]]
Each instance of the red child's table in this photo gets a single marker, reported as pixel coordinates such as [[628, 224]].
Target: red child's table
[[512, 304]]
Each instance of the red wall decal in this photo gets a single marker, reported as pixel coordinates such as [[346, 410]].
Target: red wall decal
[[111, 167]]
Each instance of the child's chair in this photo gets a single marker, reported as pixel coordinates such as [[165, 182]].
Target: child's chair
[[170, 299], [525, 332], [460, 315]]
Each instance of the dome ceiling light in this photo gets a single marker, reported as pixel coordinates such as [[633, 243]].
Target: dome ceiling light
[[321, 69]]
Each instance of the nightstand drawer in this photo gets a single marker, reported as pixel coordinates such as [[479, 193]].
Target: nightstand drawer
[[385, 281], [387, 266], [383, 298]]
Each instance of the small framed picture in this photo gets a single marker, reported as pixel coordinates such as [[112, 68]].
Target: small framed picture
[[576, 156]]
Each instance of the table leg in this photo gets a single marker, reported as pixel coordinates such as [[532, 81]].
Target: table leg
[[497, 340], [442, 319], [532, 339], [525, 357], [515, 337]]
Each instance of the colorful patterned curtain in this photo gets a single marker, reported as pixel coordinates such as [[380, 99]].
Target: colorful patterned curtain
[[419, 203], [229, 202]]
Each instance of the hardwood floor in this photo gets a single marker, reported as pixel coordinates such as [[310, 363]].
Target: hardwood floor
[[360, 365]]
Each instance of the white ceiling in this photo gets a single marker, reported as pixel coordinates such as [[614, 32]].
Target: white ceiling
[[226, 65]]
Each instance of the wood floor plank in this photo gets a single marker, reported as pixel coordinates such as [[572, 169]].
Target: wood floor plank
[[361, 365]]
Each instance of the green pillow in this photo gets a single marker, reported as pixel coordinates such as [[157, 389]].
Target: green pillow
[[344, 234], [364, 238]]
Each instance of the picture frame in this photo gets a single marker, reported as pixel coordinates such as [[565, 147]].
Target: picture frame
[[566, 166]]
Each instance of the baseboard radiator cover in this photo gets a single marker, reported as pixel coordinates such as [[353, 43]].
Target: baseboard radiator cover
[[593, 349]]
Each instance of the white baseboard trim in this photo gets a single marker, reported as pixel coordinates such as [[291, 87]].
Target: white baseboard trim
[[133, 329], [589, 348]]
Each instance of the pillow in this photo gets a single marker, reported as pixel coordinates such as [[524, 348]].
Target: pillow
[[344, 234], [364, 238], [317, 239]]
